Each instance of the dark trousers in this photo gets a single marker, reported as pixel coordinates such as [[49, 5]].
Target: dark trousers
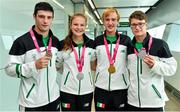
[[53, 106], [70, 102], [133, 108], [110, 100]]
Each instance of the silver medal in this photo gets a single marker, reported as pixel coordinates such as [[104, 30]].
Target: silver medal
[[141, 54], [80, 76]]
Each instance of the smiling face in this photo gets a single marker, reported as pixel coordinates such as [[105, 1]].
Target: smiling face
[[78, 26], [110, 23], [43, 20]]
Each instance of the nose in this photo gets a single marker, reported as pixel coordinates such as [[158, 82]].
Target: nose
[[110, 21], [46, 20]]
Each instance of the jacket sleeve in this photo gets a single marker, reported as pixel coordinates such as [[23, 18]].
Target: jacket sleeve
[[59, 62], [165, 67], [165, 64], [16, 66]]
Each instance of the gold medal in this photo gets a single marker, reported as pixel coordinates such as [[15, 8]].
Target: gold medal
[[111, 69]]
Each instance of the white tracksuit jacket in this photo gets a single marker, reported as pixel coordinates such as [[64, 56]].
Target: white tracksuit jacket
[[37, 87], [146, 88]]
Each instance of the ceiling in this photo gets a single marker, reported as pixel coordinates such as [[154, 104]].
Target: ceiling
[[25, 8], [124, 7]]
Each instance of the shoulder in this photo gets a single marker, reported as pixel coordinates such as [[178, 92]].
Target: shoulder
[[88, 42], [100, 37], [61, 44], [125, 37], [19, 45], [125, 40], [159, 42]]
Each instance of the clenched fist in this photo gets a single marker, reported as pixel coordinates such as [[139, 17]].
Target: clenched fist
[[43, 61]]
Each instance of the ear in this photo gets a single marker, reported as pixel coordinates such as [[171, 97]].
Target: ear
[[146, 25], [34, 16]]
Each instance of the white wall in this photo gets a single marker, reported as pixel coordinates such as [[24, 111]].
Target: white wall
[[165, 12], [16, 19], [173, 40], [174, 80]]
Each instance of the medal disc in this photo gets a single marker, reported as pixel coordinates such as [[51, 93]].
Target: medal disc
[[80, 76], [141, 54], [111, 69], [49, 53]]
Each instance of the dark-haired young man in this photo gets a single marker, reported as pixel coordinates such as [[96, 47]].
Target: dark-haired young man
[[32, 59]]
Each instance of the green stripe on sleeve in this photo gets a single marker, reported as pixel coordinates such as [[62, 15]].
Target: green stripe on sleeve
[[17, 70]]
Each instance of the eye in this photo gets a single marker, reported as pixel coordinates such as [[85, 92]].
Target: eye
[[75, 24], [82, 25], [49, 17], [41, 16], [107, 19], [113, 19]]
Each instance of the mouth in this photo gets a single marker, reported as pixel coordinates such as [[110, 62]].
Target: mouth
[[45, 25], [110, 27], [78, 31]]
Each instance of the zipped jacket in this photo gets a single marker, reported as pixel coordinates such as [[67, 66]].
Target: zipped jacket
[[147, 84], [119, 79], [38, 87], [66, 59]]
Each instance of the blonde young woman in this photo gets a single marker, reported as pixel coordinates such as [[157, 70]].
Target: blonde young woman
[[75, 57]]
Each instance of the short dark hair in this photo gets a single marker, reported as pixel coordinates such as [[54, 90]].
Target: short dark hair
[[138, 15], [43, 6]]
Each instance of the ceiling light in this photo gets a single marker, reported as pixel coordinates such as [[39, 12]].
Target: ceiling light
[[97, 15], [100, 21], [91, 4], [57, 3]]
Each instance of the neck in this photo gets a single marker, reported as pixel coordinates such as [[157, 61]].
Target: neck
[[140, 38], [44, 34], [78, 40], [111, 33]]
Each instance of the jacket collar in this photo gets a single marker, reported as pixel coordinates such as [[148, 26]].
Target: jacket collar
[[39, 36], [117, 34], [85, 39], [145, 41]]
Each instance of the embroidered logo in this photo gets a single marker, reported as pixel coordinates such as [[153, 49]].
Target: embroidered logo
[[89, 53], [34, 56], [123, 51]]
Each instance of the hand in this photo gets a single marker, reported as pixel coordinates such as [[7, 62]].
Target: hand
[[43, 62], [49, 54], [149, 60]]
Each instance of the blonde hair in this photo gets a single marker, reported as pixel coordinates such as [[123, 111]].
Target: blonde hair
[[109, 10]]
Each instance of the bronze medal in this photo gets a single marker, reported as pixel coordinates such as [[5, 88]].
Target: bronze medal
[[49, 53], [111, 69]]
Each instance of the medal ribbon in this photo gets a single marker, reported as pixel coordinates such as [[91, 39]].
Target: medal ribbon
[[149, 47], [112, 59], [36, 44], [79, 62]]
